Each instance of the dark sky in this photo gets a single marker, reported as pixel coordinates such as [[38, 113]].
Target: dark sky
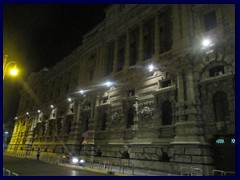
[[37, 35], [40, 35]]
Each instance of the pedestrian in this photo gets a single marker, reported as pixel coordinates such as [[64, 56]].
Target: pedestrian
[[38, 153]]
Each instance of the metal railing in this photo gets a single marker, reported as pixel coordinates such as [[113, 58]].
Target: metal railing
[[7, 172], [191, 171], [217, 172], [108, 166], [125, 165]]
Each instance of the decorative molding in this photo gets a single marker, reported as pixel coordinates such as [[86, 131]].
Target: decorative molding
[[146, 113], [115, 117]]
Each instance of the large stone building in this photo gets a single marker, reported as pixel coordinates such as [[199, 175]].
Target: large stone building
[[169, 101]]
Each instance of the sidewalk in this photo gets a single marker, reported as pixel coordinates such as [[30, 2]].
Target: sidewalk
[[118, 171]]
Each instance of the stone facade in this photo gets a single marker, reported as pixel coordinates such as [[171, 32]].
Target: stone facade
[[164, 118]]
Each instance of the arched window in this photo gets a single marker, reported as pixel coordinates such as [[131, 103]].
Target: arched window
[[220, 106], [166, 113], [130, 117]]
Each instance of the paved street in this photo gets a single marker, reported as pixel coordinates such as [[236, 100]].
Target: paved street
[[30, 167]]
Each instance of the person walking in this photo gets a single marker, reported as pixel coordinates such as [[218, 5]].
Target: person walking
[[38, 153]]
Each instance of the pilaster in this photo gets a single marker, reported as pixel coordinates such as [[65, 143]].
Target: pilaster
[[140, 52]]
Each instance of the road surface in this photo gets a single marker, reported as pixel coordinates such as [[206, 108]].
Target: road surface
[[31, 167]]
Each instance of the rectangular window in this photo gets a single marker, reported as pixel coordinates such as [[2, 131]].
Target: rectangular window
[[216, 71], [110, 57], [210, 20], [148, 47], [133, 47], [121, 53], [165, 29], [166, 83]]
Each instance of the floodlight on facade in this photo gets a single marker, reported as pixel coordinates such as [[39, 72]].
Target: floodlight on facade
[[81, 91], [108, 83], [151, 67]]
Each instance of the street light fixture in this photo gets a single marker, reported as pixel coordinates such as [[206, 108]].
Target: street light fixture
[[108, 83], [82, 92], [13, 71], [151, 67], [208, 47], [206, 42]]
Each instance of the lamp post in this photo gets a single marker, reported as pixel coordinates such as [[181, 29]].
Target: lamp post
[[6, 64]]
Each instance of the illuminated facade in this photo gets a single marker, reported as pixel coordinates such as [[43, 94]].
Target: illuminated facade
[[180, 112]]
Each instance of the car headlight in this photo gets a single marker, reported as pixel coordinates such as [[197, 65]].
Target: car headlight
[[74, 160], [82, 161]]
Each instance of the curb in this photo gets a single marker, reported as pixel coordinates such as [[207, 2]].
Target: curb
[[93, 170]]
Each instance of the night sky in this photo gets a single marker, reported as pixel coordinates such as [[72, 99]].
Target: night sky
[[37, 36]]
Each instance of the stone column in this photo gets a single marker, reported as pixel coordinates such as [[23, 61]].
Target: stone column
[[180, 104], [75, 123], [127, 55], [29, 137], [115, 60], [185, 20], [140, 52], [191, 100], [157, 33], [13, 140], [74, 139], [190, 86], [176, 19], [135, 124], [189, 146], [63, 125], [181, 26]]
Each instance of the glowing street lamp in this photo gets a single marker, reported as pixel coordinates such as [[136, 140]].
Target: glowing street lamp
[[82, 92], [13, 71], [206, 42], [208, 48], [151, 67], [108, 83]]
